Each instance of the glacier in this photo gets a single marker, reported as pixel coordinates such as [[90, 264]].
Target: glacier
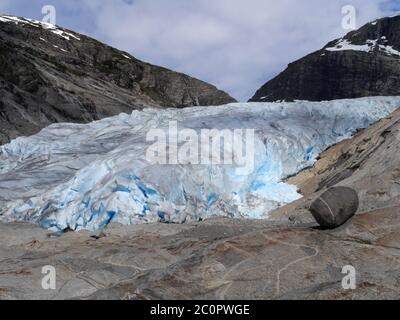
[[84, 176]]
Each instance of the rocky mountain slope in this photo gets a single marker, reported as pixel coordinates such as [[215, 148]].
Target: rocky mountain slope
[[49, 74], [288, 257], [365, 62]]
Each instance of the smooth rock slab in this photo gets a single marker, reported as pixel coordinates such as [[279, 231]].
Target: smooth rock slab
[[215, 259]]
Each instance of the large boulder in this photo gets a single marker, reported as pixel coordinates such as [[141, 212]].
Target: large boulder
[[335, 207]]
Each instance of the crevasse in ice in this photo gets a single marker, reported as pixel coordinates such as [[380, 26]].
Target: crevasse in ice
[[84, 176]]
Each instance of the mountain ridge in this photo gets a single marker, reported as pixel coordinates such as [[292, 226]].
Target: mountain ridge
[[365, 62], [50, 74]]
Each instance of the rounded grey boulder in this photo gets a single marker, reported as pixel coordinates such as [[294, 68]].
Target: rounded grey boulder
[[335, 207]]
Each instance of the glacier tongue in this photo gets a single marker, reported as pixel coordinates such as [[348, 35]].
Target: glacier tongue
[[83, 176]]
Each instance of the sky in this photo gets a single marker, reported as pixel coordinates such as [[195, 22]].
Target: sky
[[236, 45]]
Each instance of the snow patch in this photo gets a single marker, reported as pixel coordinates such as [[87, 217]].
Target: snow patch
[[389, 50], [344, 45], [369, 46], [34, 23]]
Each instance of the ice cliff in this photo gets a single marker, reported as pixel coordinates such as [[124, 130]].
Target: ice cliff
[[84, 176]]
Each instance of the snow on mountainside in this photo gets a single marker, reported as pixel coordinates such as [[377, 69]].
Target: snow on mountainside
[[369, 46], [39, 24], [85, 176]]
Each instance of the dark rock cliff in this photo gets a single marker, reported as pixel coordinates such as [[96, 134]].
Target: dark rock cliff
[[366, 62], [49, 74]]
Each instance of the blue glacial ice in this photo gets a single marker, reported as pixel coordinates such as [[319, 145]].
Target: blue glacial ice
[[84, 176]]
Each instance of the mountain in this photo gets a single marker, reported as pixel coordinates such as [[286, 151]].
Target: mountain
[[366, 62], [49, 74]]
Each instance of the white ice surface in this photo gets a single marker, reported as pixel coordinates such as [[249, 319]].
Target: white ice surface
[[83, 176]]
